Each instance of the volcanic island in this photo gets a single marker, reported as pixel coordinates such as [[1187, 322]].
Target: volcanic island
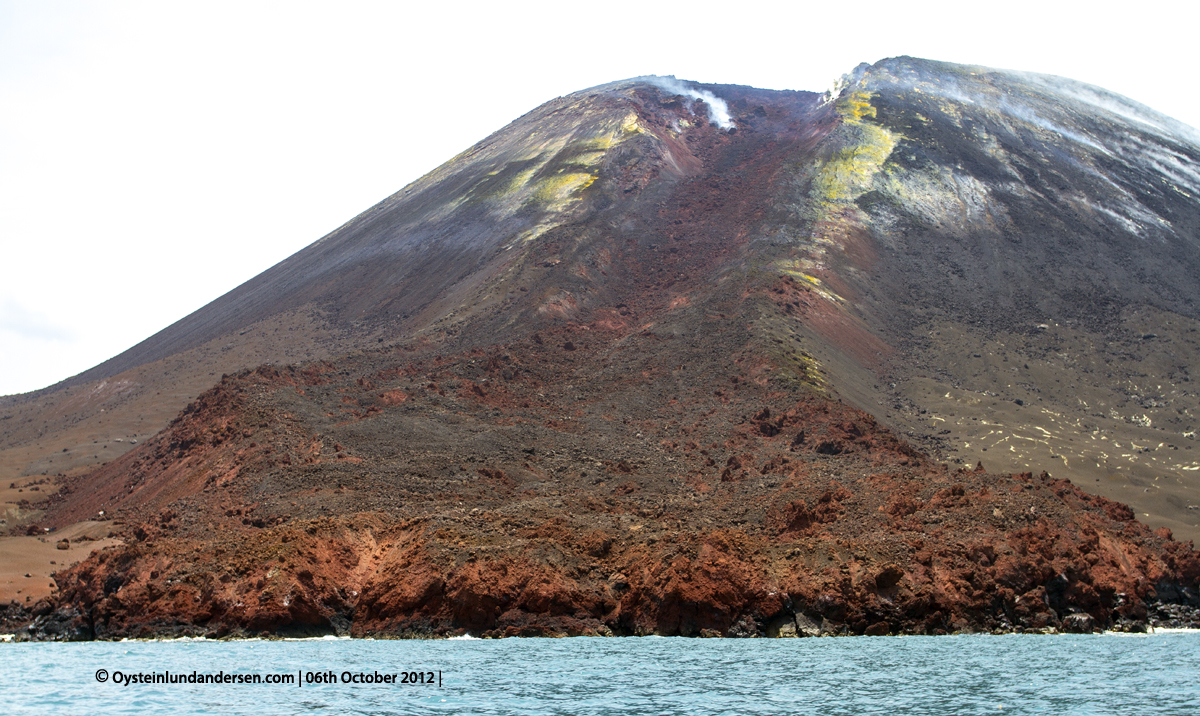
[[908, 357]]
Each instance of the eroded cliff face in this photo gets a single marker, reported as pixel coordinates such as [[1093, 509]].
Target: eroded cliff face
[[623, 370]]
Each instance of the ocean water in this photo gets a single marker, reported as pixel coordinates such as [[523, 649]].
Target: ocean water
[[1014, 674]]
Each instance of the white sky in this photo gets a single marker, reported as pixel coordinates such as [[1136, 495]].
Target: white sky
[[154, 155]]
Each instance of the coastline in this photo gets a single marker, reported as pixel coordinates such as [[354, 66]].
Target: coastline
[[30, 633], [1150, 632]]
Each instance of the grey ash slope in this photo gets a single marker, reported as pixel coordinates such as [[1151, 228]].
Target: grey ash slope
[[1013, 200], [1039, 265]]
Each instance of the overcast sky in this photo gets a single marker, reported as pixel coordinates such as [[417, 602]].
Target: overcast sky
[[154, 155]]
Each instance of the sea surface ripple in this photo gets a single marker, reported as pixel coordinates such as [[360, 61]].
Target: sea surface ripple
[[1015, 674]]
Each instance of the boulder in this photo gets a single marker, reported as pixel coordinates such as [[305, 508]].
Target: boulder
[[806, 626], [878, 629], [1078, 624], [785, 629]]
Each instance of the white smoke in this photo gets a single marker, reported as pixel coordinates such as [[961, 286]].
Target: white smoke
[[1116, 104], [718, 110]]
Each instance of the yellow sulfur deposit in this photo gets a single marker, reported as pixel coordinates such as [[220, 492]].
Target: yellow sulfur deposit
[[848, 174], [861, 149]]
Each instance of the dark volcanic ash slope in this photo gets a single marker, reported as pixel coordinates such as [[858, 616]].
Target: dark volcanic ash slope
[[418, 256], [486, 236], [615, 412], [1036, 261]]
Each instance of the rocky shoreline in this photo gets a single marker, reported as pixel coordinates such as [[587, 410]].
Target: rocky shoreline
[[421, 580], [23, 624]]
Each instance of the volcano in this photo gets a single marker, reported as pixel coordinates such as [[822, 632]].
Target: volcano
[[671, 358]]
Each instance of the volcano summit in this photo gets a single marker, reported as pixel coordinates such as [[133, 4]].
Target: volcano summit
[[680, 359]]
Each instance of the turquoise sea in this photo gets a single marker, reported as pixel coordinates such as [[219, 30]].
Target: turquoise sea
[[1014, 674]]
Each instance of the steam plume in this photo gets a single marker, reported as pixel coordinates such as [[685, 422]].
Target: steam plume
[[718, 110]]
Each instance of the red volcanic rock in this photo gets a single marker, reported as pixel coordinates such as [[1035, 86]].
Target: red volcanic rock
[[878, 629], [393, 397]]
